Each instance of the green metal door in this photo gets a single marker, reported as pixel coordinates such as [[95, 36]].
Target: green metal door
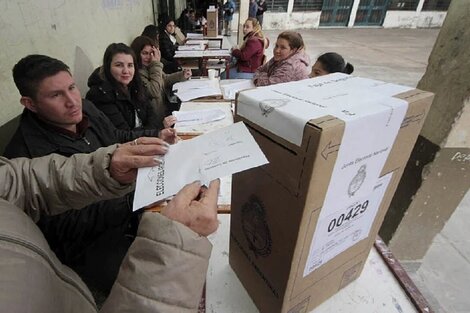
[[371, 12], [335, 12]]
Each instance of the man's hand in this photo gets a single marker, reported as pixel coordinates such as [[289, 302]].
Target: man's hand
[[168, 135], [141, 152], [196, 207]]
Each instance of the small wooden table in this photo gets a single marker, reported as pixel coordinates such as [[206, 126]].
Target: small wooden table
[[202, 58]]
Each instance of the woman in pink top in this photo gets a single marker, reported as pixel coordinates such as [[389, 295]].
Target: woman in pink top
[[289, 63]]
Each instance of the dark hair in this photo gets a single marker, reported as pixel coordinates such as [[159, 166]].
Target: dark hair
[[138, 44], [151, 31], [136, 87], [293, 38], [164, 20], [332, 62], [30, 71]]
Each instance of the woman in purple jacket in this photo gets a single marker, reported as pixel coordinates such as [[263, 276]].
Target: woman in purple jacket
[[250, 55], [289, 63]]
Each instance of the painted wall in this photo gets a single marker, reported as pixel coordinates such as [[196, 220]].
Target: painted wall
[[412, 19], [295, 20], [77, 32]]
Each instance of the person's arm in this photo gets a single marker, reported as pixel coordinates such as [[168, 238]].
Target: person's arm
[[261, 77], [250, 49], [173, 78], [166, 266], [54, 183], [152, 77]]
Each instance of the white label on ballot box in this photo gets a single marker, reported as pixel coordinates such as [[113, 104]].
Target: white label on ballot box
[[222, 152], [345, 226]]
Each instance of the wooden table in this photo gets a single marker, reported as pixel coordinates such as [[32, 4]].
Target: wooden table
[[202, 58]]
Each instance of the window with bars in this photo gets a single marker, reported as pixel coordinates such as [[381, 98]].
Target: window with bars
[[307, 5], [436, 5], [277, 5], [409, 5]]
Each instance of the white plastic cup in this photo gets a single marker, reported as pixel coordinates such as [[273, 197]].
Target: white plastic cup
[[211, 74]]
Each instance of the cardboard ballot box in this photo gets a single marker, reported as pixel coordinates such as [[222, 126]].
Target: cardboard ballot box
[[303, 225], [212, 22]]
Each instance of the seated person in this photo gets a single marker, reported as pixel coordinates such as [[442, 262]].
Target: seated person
[[330, 62], [56, 120], [187, 21], [158, 84], [118, 91], [250, 55], [289, 63], [168, 44], [34, 280]]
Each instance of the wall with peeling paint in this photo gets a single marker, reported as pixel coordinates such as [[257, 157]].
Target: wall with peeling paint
[[76, 32]]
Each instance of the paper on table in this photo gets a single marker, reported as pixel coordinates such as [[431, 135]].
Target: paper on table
[[217, 154], [196, 42], [196, 88], [230, 87], [194, 35], [197, 117], [194, 47]]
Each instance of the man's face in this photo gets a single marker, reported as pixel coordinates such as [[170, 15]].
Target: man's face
[[58, 101]]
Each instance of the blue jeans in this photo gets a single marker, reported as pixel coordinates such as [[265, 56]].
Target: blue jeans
[[235, 74]]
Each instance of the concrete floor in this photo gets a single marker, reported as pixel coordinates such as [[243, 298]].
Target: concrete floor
[[401, 56]]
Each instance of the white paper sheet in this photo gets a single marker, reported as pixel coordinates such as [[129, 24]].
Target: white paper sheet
[[230, 87], [189, 54], [197, 117], [196, 88], [194, 47], [207, 127], [217, 154], [345, 226], [194, 35], [196, 42]]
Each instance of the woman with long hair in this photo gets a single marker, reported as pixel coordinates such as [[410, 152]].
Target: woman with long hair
[[250, 55], [158, 83], [289, 62], [168, 44], [119, 93], [331, 62]]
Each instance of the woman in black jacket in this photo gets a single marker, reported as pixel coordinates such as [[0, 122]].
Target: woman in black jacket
[[168, 44], [117, 90]]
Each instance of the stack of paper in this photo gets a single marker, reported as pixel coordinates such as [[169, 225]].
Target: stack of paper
[[199, 47], [196, 42], [230, 87], [196, 88], [194, 35], [196, 117]]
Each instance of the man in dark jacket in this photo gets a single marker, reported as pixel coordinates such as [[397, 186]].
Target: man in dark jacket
[[93, 240]]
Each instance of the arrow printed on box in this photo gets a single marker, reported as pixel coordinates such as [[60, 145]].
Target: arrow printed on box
[[329, 149]]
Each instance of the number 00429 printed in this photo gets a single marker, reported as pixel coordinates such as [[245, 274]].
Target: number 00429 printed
[[345, 227]]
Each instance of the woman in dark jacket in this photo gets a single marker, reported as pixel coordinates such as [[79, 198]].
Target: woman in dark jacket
[[168, 44], [118, 91]]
